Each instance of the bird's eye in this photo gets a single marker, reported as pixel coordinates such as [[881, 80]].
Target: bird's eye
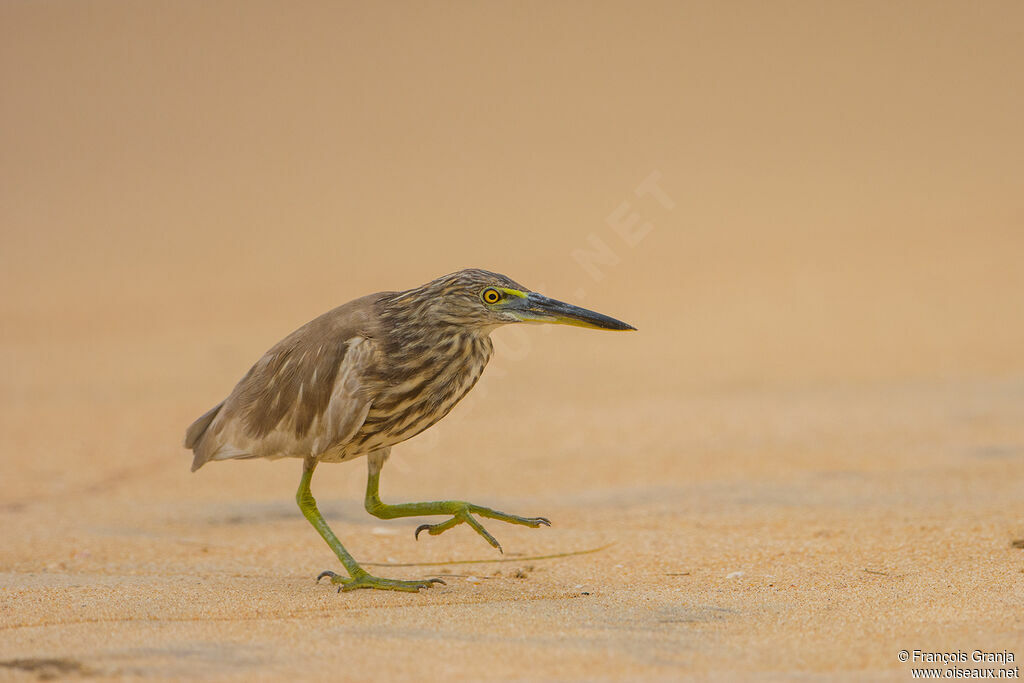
[[491, 296]]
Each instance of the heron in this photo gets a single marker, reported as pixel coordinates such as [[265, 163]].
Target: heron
[[368, 375]]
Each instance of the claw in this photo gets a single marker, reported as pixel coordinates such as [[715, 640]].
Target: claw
[[325, 573], [421, 527]]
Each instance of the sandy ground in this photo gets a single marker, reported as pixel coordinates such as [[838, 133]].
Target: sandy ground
[[810, 456], [777, 531]]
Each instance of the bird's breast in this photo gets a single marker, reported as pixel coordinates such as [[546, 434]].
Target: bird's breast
[[419, 388]]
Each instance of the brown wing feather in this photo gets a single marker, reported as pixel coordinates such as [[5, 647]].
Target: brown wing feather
[[294, 380], [278, 408]]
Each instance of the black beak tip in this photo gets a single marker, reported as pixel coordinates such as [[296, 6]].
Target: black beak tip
[[618, 325], [603, 322]]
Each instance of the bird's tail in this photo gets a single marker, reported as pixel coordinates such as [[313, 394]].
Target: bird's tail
[[195, 432]]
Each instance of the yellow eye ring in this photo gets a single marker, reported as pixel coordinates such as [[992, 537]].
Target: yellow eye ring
[[490, 296]]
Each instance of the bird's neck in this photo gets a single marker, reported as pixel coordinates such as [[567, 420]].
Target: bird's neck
[[416, 335], [445, 343]]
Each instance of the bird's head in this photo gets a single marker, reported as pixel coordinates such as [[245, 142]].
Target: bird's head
[[482, 299]]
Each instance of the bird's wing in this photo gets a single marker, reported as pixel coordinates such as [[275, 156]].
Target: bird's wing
[[346, 411], [304, 397]]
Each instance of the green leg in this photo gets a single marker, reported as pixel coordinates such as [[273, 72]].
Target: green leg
[[358, 577], [461, 511]]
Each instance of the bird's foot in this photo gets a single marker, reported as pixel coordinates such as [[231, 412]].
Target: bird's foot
[[365, 580], [463, 513]]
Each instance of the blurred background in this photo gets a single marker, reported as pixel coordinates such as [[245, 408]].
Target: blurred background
[[795, 194]]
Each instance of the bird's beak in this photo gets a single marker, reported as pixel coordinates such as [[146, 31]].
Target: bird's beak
[[537, 308]]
